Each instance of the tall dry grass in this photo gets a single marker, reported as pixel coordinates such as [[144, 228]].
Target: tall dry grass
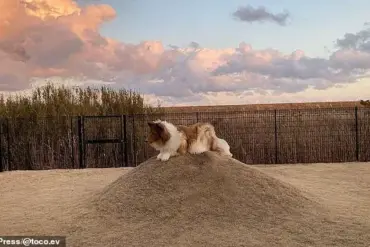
[[40, 130]]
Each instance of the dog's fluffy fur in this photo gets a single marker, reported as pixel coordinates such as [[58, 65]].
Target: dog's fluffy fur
[[171, 140]]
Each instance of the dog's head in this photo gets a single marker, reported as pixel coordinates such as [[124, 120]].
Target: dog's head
[[158, 134]]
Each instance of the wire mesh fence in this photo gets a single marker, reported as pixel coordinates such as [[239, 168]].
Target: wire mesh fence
[[255, 137]]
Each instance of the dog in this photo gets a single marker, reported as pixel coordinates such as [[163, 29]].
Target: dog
[[171, 140]]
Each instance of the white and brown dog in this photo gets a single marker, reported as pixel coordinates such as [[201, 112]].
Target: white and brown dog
[[171, 140]]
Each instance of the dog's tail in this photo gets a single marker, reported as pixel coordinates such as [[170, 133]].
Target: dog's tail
[[207, 131], [206, 135]]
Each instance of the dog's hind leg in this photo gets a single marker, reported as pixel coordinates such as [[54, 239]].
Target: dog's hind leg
[[222, 147]]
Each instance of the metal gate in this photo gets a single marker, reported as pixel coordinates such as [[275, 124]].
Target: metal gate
[[110, 130]]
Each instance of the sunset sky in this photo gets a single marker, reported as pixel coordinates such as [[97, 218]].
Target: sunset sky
[[191, 52]]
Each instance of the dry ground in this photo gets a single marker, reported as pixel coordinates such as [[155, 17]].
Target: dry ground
[[38, 200], [343, 187], [34, 202]]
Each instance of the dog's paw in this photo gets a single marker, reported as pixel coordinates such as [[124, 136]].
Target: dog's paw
[[165, 157], [225, 153], [175, 154], [196, 151], [159, 156]]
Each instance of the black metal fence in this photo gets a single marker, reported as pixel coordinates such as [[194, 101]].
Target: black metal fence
[[255, 137]]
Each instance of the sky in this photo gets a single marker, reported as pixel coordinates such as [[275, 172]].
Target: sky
[[207, 52]]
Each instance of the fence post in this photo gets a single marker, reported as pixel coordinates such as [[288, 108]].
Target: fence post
[[8, 144], [72, 144], [1, 146], [124, 151], [357, 135], [126, 142], [134, 140], [276, 137], [81, 142], [121, 137]]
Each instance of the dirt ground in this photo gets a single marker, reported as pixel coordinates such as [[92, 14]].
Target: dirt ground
[[343, 187], [34, 200], [43, 201]]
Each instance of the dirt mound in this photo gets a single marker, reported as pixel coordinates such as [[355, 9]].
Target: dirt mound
[[203, 200]]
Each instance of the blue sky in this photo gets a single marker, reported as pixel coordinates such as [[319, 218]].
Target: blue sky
[[126, 43], [312, 26]]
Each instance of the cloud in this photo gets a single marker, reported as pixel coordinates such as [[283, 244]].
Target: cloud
[[358, 41], [244, 69], [41, 39], [260, 14]]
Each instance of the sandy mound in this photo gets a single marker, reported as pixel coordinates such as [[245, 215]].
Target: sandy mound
[[204, 200]]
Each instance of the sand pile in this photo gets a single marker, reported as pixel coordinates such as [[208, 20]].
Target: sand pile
[[203, 200]]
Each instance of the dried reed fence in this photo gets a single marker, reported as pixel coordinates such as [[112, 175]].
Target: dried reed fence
[[255, 136]]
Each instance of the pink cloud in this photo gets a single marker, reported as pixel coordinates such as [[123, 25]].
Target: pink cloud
[[42, 38], [49, 38]]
